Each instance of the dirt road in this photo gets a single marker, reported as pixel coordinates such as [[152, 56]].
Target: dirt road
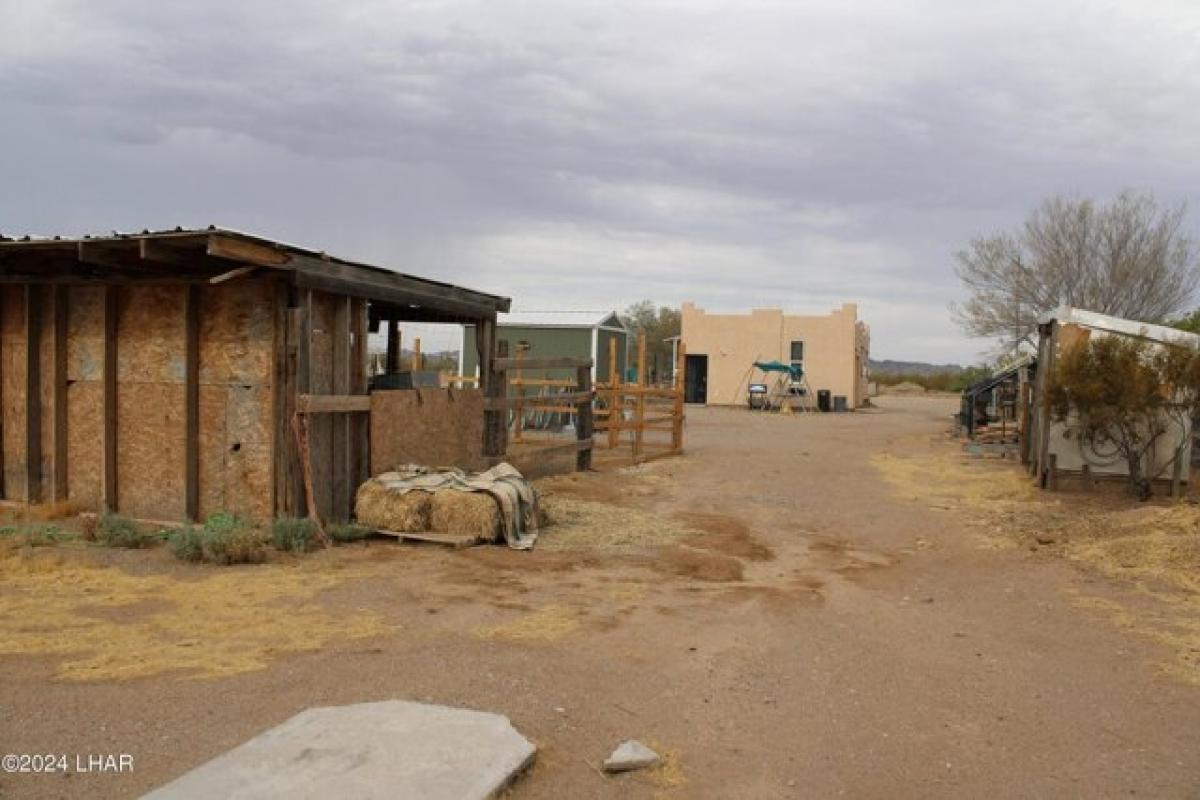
[[806, 627]]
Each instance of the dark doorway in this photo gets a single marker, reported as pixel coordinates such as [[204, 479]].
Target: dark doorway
[[695, 389]]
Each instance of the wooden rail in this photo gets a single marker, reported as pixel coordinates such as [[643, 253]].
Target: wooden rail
[[638, 398]]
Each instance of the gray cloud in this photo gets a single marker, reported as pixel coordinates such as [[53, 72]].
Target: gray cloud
[[591, 154]]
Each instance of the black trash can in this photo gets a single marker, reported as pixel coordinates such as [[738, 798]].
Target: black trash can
[[839, 402], [823, 403]]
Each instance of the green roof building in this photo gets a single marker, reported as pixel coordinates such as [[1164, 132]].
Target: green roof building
[[554, 334]]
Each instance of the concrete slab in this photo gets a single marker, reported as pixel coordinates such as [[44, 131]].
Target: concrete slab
[[370, 750]]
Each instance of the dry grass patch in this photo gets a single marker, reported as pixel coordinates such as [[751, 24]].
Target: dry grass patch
[[573, 524], [1150, 543], [945, 480], [224, 622]]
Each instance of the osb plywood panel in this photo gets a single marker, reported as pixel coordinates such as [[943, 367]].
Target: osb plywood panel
[[212, 449], [150, 450], [235, 450], [46, 367], [436, 427], [85, 334], [237, 340], [12, 388], [85, 396], [248, 451], [237, 332], [150, 334], [85, 443]]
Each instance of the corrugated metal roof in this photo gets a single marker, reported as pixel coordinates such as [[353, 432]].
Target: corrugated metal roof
[[1067, 315], [561, 319]]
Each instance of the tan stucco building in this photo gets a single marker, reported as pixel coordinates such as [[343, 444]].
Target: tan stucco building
[[722, 348]]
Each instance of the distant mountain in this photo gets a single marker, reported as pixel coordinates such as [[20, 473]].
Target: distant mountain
[[887, 367]]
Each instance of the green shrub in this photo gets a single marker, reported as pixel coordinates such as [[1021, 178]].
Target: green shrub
[[294, 535], [187, 544], [229, 539], [348, 533], [117, 531]]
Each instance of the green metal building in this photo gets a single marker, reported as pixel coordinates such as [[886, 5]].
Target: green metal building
[[554, 334]]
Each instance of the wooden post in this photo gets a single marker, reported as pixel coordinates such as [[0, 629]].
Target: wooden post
[[519, 383], [340, 423], [60, 393], [393, 347], [583, 419], [1177, 474], [301, 339], [492, 383], [1052, 472], [677, 411], [109, 452], [33, 393], [416, 356], [1087, 477], [359, 431], [191, 403], [616, 413], [640, 408]]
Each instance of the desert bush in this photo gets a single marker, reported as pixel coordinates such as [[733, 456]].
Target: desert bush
[[294, 535], [1122, 395], [344, 533], [113, 530], [229, 539], [187, 544]]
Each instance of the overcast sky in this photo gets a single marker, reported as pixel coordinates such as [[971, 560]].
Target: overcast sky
[[588, 155]]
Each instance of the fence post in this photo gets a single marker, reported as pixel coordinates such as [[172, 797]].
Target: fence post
[[519, 383], [616, 413], [1177, 474], [416, 358], [583, 418], [640, 413], [677, 411]]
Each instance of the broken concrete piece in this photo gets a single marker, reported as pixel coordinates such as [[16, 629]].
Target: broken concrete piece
[[369, 750], [631, 755]]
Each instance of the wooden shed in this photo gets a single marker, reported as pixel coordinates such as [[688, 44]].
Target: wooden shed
[[159, 375]]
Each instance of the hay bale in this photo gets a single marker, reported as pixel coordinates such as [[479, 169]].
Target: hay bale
[[466, 514], [381, 508]]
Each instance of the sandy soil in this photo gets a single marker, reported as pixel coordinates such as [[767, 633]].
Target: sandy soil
[[819, 615]]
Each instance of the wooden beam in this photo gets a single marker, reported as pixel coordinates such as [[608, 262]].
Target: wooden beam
[[232, 249], [231, 274], [301, 333], [100, 255], [33, 394], [333, 403], [191, 391], [493, 383], [360, 458], [61, 331], [340, 450], [157, 252], [109, 450]]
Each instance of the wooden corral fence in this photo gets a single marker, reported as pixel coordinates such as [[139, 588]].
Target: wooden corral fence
[[575, 399], [637, 414]]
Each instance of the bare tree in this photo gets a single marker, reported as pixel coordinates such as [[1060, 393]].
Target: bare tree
[[1130, 258]]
